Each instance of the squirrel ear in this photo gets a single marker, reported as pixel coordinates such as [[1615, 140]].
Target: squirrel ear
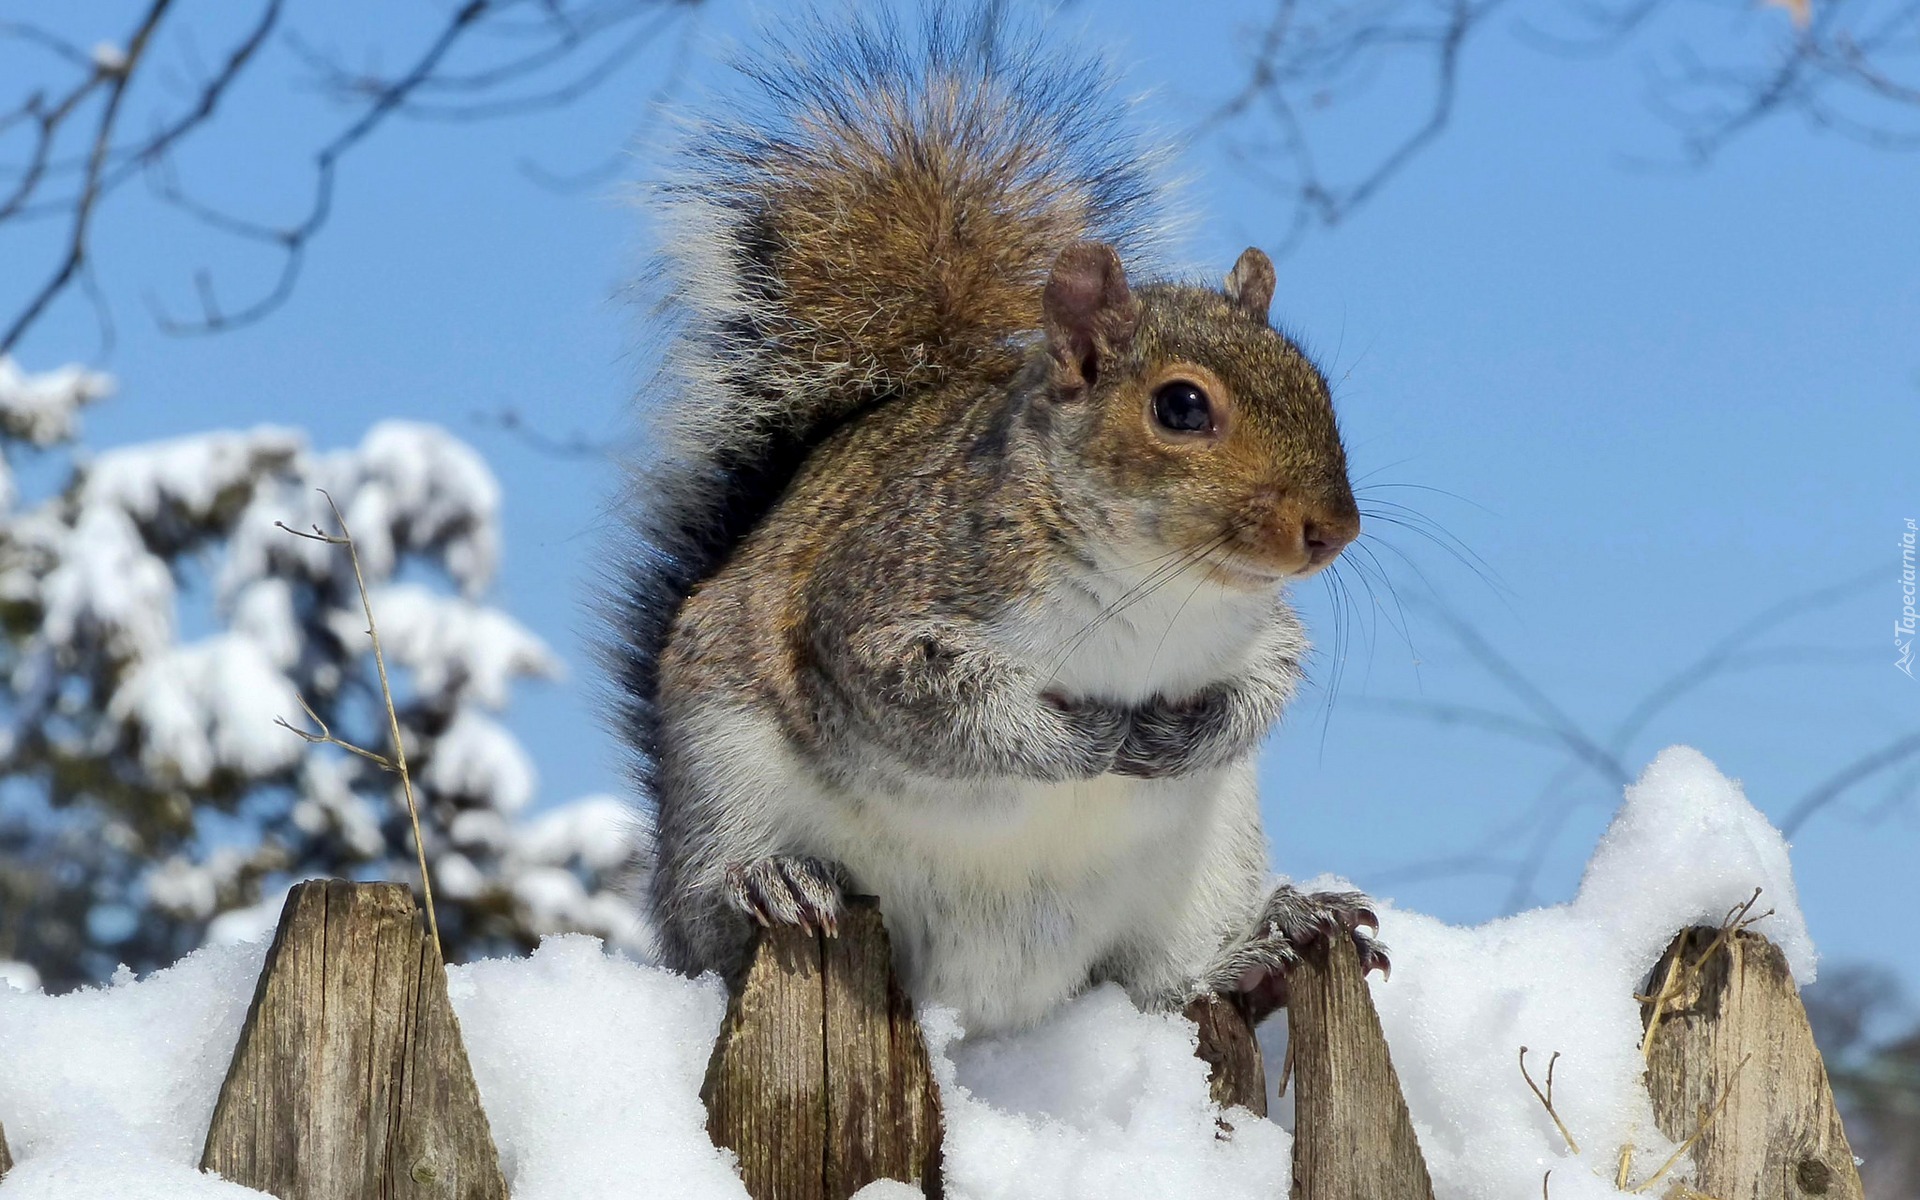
[[1250, 283], [1090, 313]]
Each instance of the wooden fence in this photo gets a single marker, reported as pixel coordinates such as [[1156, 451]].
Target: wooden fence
[[350, 1079]]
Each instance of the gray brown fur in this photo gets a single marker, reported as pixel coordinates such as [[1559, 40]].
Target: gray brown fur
[[991, 640]]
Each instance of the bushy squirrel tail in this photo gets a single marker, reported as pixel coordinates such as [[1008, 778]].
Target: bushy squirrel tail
[[880, 211], [873, 213]]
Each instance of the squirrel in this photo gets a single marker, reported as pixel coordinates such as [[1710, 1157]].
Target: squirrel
[[957, 567]]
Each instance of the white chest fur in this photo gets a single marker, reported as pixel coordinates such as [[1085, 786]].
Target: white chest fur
[[1137, 626], [1003, 897]]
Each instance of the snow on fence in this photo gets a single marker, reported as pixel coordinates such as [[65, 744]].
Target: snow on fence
[[350, 1079]]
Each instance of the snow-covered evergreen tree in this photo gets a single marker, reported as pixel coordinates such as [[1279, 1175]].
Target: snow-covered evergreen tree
[[159, 620]]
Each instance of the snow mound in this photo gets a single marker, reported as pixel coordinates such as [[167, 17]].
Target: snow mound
[[1099, 1100], [108, 1091], [1683, 850], [590, 1064]]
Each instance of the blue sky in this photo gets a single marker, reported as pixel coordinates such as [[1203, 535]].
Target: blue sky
[[1653, 401]]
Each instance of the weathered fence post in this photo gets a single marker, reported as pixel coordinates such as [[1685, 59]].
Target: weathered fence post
[[350, 1079], [1236, 1073], [1732, 1068], [1352, 1137], [819, 1080]]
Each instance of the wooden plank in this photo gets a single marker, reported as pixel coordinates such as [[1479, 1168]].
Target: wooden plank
[[350, 1079], [1733, 1054], [883, 1107], [766, 1082], [1352, 1136], [819, 1080], [1236, 1073]]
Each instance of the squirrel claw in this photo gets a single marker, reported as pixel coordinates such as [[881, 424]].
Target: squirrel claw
[[1354, 918], [787, 890], [1373, 956], [1256, 969], [1302, 918]]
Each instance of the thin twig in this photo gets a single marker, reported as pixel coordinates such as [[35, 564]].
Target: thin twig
[[1546, 1097], [326, 738], [398, 764]]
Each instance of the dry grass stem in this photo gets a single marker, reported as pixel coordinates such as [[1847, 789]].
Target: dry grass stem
[[1677, 977], [398, 763], [1706, 1123], [1546, 1097], [325, 736]]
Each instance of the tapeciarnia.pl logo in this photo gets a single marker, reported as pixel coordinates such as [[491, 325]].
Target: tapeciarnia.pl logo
[[1904, 627]]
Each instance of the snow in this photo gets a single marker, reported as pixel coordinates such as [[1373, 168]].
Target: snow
[[1100, 1100], [254, 923], [108, 57], [182, 481], [107, 1092], [411, 485], [193, 889], [590, 1064], [407, 487], [603, 832], [19, 976], [44, 408], [605, 1102], [107, 590], [454, 647], [327, 800], [476, 759], [210, 706]]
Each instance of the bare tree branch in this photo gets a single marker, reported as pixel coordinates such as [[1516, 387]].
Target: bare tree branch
[[1602, 758], [1852, 69], [1858, 771], [113, 76], [485, 59]]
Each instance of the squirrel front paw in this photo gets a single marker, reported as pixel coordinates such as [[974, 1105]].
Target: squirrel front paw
[[1255, 965], [1095, 731], [787, 890], [1201, 733]]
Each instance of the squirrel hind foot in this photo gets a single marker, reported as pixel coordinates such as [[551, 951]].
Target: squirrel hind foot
[[787, 890]]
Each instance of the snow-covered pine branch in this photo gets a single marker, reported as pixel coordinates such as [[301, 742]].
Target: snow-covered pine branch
[[158, 621]]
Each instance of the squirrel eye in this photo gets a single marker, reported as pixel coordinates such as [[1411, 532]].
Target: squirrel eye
[[1182, 407]]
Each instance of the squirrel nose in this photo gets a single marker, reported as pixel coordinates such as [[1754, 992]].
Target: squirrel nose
[[1325, 539]]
